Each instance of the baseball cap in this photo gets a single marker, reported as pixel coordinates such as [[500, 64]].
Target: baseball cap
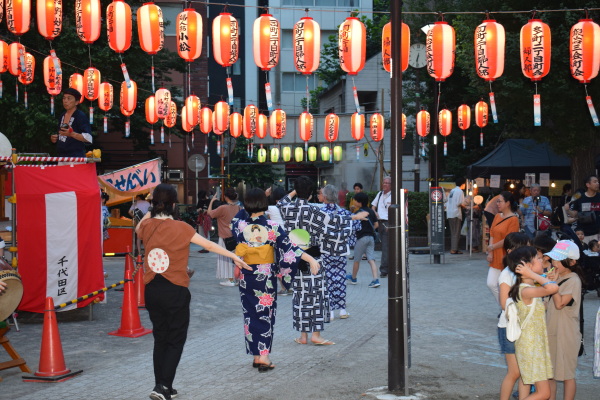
[[564, 249]]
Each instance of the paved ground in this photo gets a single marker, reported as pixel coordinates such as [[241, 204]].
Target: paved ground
[[454, 349]]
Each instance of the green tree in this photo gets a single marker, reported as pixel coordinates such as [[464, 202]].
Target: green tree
[[249, 171], [29, 129]]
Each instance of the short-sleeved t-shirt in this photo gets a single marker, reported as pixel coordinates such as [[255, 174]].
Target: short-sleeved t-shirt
[[583, 204], [506, 277], [173, 237], [366, 227], [224, 214]]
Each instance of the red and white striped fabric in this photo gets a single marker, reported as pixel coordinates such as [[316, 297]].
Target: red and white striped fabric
[[49, 18], [150, 28], [188, 29], [60, 234], [225, 39], [440, 48], [118, 25], [87, 20], [18, 17], [352, 45]]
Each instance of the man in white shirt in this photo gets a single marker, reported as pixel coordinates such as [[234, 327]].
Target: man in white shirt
[[381, 202], [454, 208]]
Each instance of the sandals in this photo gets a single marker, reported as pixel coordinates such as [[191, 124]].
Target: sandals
[[265, 367], [324, 342], [298, 341], [456, 252]]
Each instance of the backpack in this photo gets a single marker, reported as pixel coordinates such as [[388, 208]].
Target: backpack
[[513, 322]]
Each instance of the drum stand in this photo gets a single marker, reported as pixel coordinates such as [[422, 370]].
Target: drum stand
[[14, 319], [16, 361]]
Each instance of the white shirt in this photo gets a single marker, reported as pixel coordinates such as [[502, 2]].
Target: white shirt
[[456, 198], [383, 201], [507, 277], [274, 215], [141, 205]]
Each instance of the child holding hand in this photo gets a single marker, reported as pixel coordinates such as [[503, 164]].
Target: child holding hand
[[531, 349]]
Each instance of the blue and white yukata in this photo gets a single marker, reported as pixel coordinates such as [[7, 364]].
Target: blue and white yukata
[[256, 238], [336, 264], [328, 232]]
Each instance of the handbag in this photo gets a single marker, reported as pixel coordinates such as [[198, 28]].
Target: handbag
[[230, 243], [513, 323], [543, 222]]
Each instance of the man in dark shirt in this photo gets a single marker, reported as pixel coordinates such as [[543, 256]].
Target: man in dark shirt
[[586, 210], [365, 241], [74, 129]]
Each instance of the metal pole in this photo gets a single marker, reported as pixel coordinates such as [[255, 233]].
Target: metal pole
[[434, 124], [397, 305]]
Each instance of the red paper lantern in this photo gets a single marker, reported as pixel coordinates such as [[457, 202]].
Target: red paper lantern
[[352, 45], [266, 41], [52, 81], [307, 45], [489, 50], [277, 124], [423, 123], [49, 18], [357, 126], [445, 122], [403, 126], [377, 125], [105, 99], [226, 39], [76, 82], [584, 49], [128, 96], [205, 120], [188, 29], [4, 56], [14, 61], [118, 25], [332, 127], [163, 101], [250, 120], [126, 113], [306, 125], [192, 108], [440, 48], [463, 117], [221, 117], [18, 17], [386, 46], [236, 124], [185, 125], [261, 126], [87, 20], [150, 108], [26, 77], [216, 130], [171, 118], [150, 28], [91, 80], [481, 114], [535, 49]]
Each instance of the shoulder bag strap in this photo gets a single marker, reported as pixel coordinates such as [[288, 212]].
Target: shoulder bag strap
[[524, 324], [505, 219]]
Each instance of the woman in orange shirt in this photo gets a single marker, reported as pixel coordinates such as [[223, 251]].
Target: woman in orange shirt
[[505, 222]]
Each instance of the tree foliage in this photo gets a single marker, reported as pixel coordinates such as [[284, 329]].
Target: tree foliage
[[249, 171], [29, 129]]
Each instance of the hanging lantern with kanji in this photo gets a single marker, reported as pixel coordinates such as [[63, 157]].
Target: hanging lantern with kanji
[[386, 46], [490, 42], [16, 58], [305, 125], [151, 31], [332, 126], [76, 82], [225, 39], [105, 101], [481, 118], [188, 31], [535, 58], [185, 125], [18, 16], [262, 126], [352, 45], [88, 20], [307, 45], [357, 129], [584, 49], [440, 50], [277, 124], [250, 120], [236, 124], [266, 40], [49, 18], [91, 89], [151, 115], [171, 118], [423, 127], [163, 101], [445, 126], [192, 107], [221, 116], [26, 77], [205, 122], [128, 101], [52, 80], [463, 117], [118, 29], [377, 127]]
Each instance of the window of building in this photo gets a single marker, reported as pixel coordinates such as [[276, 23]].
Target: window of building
[[293, 82], [322, 3], [170, 12], [286, 39]]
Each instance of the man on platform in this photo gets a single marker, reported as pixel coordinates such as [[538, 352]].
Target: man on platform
[[586, 210], [73, 127], [532, 207], [380, 205]]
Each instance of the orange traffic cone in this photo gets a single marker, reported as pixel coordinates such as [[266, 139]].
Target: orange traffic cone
[[128, 267], [138, 279], [52, 361], [130, 316]]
